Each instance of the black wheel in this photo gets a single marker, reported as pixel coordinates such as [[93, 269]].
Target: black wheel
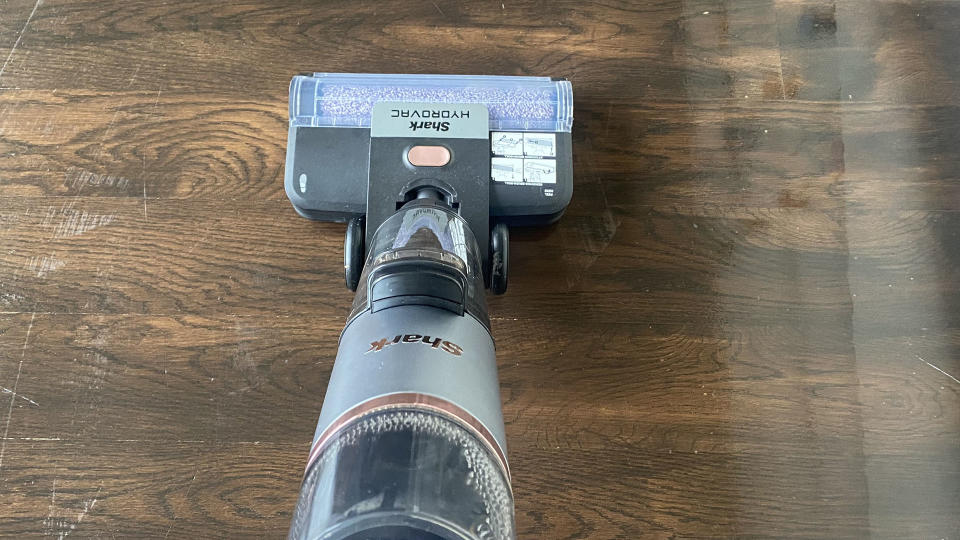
[[499, 258], [353, 252]]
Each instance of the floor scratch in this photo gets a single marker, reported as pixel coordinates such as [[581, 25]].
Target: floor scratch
[[74, 222], [185, 495], [6, 390], [23, 353], [106, 132], [134, 77], [145, 200], [783, 86], [170, 528], [87, 507], [50, 522], [952, 378], [19, 37]]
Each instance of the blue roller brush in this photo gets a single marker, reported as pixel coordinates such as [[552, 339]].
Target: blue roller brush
[[346, 99]]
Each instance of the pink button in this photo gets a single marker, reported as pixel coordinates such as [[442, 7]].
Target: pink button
[[428, 156]]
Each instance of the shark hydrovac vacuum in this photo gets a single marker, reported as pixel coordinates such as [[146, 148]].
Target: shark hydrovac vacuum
[[428, 171]]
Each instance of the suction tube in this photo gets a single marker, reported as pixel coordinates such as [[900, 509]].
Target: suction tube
[[410, 444]]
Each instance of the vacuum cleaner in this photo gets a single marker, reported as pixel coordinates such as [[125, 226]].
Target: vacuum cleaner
[[428, 172]]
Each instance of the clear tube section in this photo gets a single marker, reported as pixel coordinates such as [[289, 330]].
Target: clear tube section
[[422, 229], [404, 474]]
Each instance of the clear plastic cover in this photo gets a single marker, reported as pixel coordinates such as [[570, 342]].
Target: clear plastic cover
[[404, 474], [346, 99], [425, 230]]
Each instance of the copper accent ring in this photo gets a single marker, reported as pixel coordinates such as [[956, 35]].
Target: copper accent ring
[[411, 399]]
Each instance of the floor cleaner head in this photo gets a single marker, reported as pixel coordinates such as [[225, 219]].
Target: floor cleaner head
[[428, 171]]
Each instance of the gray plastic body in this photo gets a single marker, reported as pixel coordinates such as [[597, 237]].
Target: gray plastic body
[[466, 177], [410, 440], [410, 443], [363, 371], [327, 169]]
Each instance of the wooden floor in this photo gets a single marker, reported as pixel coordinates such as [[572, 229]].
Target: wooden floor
[[747, 323]]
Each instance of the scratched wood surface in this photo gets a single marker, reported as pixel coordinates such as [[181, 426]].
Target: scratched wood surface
[[745, 325]]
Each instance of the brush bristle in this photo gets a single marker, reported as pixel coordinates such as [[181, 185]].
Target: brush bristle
[[345, 99], [357, 101]]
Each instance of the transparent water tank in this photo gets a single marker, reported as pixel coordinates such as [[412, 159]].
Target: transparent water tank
[[421, 232]]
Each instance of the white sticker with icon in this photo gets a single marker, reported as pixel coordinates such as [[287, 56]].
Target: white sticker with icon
[[506, 169], [524, 158], [506, 143], [539, 145], [540, 171]]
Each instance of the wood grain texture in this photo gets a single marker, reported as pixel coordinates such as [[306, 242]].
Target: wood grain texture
[[746, 324]]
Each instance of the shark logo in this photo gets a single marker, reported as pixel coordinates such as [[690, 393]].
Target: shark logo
[[434, 343], [436, 126]]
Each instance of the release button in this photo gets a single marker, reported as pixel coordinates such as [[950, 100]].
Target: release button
[[428, 156]]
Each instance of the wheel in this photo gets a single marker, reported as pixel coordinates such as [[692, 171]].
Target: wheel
[[353, 252], [499, 258]]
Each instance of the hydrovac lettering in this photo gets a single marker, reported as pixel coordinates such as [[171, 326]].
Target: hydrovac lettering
[[424, 119], [428, 113], [405, 339]]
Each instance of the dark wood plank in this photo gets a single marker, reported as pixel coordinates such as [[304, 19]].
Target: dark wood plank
[[136, 144], [890, 51], [17, 14], [111, 255], [162, 47], [761, 48], [182, 490], [190, 145], [87, 373]]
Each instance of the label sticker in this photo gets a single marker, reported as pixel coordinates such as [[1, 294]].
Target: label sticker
[[430, 120], [540, 171], [539, 145], [506, 169], [524, 158], [505, 143]]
